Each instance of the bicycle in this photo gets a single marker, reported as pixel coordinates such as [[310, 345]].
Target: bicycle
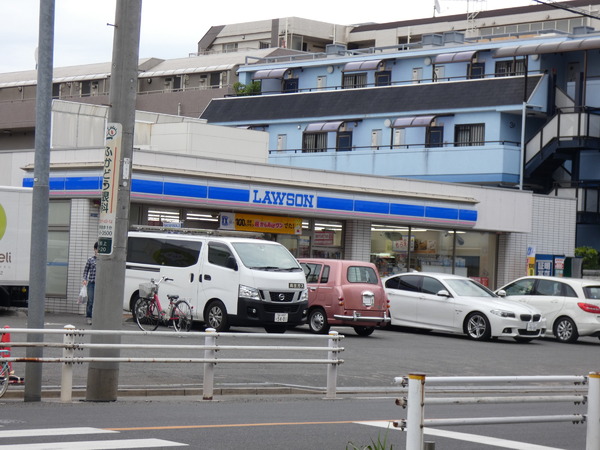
[[4, 372], [149, 313]]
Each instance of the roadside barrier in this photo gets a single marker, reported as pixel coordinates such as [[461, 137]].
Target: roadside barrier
[[416, 400], [73, 337]]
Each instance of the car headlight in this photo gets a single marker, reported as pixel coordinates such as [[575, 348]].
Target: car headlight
[[502, 313], [304, 296], [248, 292]]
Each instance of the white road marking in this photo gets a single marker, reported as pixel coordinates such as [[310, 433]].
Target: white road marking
[[98, 445], [53, 432], [504, 443]]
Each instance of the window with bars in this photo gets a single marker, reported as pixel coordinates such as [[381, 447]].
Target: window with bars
[[510, 68], [314, 142], [469, 134], [354, 80]]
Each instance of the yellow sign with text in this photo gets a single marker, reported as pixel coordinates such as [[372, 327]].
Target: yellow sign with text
[[261, 224]]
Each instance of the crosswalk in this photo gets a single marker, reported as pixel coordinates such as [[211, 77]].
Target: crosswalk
[[54, 442]]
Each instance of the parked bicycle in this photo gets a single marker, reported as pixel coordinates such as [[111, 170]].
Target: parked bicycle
[[4, 372], [149, 313]]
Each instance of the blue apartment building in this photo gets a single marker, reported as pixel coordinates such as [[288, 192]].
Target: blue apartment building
[[516, 112]]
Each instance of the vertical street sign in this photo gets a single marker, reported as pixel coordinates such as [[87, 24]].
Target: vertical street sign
[[110, 187]]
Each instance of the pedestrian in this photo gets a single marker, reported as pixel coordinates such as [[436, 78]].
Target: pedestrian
[[89, 280]]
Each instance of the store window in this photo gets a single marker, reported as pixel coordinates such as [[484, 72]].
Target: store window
[[319, 239], [397, 249], [59, 213]]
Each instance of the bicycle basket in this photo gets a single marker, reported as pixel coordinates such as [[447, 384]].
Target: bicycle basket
[[147, 290]]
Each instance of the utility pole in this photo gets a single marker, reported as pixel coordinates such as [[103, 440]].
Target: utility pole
[[41, 191], [103, 377]]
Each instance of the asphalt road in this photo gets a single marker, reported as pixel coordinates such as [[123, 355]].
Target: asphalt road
[[359, 416]]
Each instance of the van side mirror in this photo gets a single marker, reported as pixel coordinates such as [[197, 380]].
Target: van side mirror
[[232, 263], [501, 293], [444, 293]]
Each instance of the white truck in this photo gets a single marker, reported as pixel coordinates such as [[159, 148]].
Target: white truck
[[15, 244]]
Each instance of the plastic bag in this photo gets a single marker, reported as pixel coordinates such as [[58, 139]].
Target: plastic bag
[[82, 295]]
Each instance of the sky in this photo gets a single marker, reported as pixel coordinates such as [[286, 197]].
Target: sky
[[172, 28]]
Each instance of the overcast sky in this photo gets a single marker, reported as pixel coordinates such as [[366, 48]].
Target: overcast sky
[[172, 28]]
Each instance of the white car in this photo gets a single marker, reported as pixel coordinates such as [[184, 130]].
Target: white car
[[571, 305], [437, 301]]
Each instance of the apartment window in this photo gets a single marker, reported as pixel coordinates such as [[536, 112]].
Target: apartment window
[[264, 45], [344, 141], [383, 78], [354, 80], [510, 68], [314, 142], [231, 47], [469, 134]]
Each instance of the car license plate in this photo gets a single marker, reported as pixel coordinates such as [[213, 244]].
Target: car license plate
[[532, 326], [281, 317]]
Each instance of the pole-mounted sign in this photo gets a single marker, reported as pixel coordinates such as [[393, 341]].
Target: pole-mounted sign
[[110, 187]]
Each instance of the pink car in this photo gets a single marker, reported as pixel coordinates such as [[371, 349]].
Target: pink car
[[344, 292]]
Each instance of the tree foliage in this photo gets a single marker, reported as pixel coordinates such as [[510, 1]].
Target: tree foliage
[[590, 258]]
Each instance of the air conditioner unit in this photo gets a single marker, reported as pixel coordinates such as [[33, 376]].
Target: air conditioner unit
[[168, 80]]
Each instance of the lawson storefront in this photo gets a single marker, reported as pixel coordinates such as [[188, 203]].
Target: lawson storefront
[[399, 231]]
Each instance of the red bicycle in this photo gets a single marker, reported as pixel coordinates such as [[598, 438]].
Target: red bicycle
[[149, 313]]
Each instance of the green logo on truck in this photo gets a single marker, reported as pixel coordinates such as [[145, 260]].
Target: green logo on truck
[[2, 221]]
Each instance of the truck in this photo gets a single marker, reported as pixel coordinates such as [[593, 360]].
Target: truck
[[15, 244]]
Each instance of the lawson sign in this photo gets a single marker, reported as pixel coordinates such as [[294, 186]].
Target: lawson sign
[[284, 198]]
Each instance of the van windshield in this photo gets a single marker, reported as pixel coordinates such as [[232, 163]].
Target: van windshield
[[263, 256]]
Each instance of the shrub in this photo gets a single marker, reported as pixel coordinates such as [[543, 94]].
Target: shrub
[[590, 258]]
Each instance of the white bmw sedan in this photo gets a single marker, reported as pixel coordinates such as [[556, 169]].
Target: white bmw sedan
[[456, 304]]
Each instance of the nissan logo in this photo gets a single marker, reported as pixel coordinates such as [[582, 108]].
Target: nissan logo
[[282, 297]]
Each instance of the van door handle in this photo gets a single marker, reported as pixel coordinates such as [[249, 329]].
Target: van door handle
[[207, 277], [191, 277]]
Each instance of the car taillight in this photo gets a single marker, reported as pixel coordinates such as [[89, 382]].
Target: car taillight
[[588, 307], [341, 301]]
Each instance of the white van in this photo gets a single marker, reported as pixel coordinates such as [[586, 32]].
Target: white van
[[227, 280]]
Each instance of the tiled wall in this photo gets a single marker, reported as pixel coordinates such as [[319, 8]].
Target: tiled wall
[[357, 240], [553, 232]]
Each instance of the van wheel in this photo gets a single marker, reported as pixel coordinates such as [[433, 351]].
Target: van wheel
[[275, 328], [317, 321], [215, 316], [364, 331]]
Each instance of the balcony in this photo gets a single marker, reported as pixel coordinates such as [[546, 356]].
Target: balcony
[[495, 163]]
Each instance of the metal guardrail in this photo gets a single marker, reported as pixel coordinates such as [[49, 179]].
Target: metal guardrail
[[416, 400], [72, 343]]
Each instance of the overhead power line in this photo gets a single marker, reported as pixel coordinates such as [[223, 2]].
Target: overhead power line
[[567, 7]]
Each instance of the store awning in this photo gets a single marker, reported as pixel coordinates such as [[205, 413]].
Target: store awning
[[357, 66], [323, 127], [270, 73], [447, 58], [413, 121], [571, 45]]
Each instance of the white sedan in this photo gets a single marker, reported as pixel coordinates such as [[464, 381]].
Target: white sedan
[[571, 305], [452, 303]]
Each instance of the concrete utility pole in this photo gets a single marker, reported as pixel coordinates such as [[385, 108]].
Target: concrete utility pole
[[103, 377], [41, 190]]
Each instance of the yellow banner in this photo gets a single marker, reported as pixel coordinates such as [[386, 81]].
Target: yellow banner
[[267, 224]]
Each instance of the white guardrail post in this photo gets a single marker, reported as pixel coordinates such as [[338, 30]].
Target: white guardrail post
[[415, 413], [208, 381], [66, 384], [593, 416], [332, 355]]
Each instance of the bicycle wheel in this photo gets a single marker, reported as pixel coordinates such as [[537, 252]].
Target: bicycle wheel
[[146, 314], [4, 377], [182, 316]]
